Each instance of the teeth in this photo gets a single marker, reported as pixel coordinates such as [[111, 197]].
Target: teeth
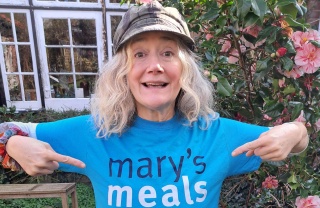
[[155, 84]]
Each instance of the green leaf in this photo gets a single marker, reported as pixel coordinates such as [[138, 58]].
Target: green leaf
[[273, 108], [212, 14], [251, 19], [243, 7], [297, 107], [221, 21], [290, 47], [285, 2], [268, 32], [287, 63], [289, 9], [259, 7], [293, 23], [315, 43], [288, 90], [223, 87], [262, 65], [292, 179]]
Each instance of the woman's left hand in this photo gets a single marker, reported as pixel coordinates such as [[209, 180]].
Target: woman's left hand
[[277, 143]]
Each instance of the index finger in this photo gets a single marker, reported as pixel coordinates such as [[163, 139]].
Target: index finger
[[66, 159], [246, 147]]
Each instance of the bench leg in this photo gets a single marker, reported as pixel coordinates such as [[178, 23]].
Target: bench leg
[[64, 200], [74, 199]]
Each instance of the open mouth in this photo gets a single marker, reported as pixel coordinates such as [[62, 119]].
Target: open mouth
[[150, 84]]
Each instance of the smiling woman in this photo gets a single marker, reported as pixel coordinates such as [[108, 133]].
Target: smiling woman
[[154, 78], [153, 139]]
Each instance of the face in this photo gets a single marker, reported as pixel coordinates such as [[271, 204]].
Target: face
[[154, 75]]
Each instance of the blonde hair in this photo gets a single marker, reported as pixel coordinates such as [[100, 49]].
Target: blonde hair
[[113, 106]]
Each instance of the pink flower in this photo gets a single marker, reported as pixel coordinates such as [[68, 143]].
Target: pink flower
[[209, 36], [226, 45], [317, 125], [234, 54], [309, 202], [206, 73], [253, 30], [214, 79], [301, 117], [282, 82], [295, 73], [281, 52], [266, 117], [300, 38], [279, 121], [270, 183], [308, 57]]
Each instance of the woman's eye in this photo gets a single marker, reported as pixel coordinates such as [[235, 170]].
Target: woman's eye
[[139, 55], [168, 53]]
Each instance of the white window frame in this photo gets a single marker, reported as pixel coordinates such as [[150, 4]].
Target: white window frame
[[57, 3], [65, 103], [22, 105], [109, 34], [14, 2]]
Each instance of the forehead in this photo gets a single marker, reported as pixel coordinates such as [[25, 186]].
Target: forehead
[[156, 35]]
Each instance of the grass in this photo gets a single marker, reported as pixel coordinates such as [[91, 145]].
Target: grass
[[84, 194]]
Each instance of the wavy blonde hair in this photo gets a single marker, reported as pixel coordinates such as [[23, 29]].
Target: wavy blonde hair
[[113, 106]]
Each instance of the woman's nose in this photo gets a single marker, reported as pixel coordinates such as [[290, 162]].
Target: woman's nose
[[155, 65]]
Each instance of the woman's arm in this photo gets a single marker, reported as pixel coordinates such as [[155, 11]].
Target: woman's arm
[[19, 147], [37, 157], [277, 143]]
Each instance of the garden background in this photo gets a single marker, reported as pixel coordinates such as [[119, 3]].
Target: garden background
[[263, 58]]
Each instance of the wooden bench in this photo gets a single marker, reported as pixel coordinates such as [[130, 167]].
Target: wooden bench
[[44, 190]]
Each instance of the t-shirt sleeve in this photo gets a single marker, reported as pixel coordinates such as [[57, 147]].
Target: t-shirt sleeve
[[241, 133], [68, 137]]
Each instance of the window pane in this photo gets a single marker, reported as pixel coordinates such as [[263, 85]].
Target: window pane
[[6, 27], [68, 0], [85, 85], [14, 88], [56, 31], [62, 86], [86, 60], [114, 24], [10, 58], [20, 20], [83, 32], [29, 88], [59, 59], [25, 58]]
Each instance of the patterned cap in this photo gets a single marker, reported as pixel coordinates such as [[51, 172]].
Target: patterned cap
[[151, 17]]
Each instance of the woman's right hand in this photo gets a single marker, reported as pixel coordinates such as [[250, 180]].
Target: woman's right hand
[[37, 157]]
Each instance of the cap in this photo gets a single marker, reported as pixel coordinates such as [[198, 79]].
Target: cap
[[151, 17]]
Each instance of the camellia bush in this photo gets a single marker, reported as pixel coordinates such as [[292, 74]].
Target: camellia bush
[[264, 60]]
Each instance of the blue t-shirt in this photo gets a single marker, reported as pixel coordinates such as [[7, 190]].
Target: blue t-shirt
[[155, 164]]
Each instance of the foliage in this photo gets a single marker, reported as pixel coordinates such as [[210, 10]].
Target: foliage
[[252, 51]]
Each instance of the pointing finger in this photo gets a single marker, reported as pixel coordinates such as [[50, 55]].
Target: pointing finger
[[250, 146], [66, 159]]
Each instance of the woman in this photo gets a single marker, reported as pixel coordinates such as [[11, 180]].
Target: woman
[[153, 139]]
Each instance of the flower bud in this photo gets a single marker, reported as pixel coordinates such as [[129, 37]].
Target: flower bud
[[281, 52], [273, 55]]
